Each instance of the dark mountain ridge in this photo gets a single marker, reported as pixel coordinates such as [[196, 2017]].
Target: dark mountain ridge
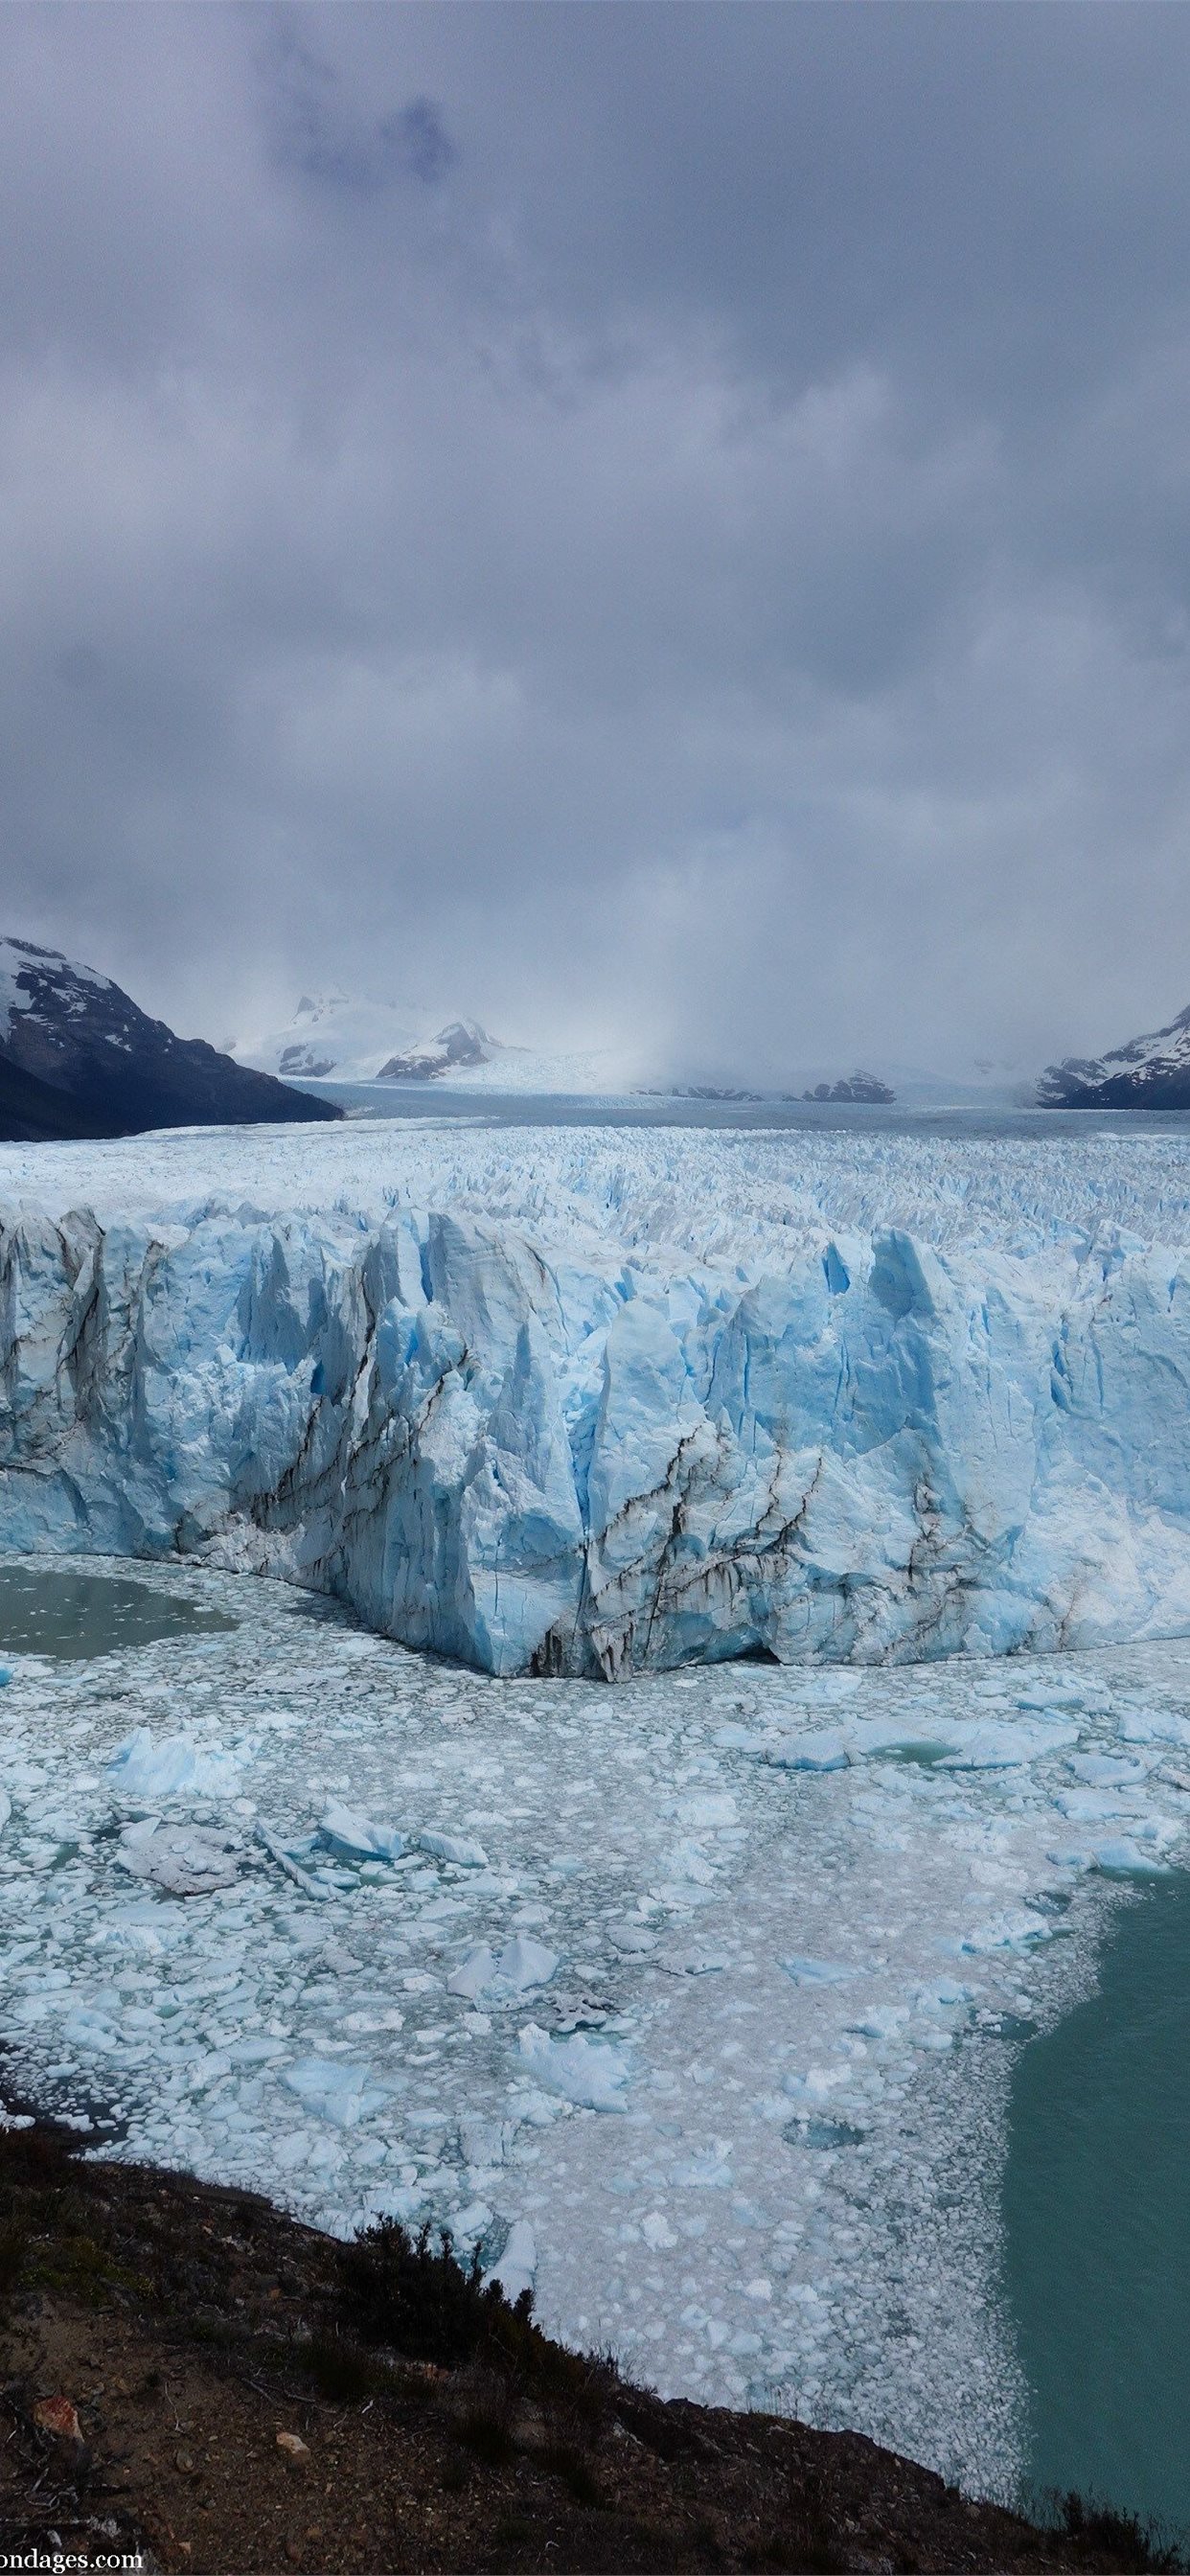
[[78, 1058], [1150, 1072]]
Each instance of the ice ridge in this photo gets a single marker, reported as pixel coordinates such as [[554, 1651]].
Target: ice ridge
[[584, 1448]]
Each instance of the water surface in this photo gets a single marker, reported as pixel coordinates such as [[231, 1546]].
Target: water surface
[[957, 1123], [1097, 2221], [71, 1616]]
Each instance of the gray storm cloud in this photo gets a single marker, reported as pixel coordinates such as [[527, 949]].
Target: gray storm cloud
[[633, 518]]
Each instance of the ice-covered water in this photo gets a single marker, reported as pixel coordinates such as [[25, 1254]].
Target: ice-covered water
[[694, 1999]]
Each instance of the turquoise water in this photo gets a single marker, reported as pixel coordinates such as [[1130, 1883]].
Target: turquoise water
[[71, 1616], [1097, 2218]]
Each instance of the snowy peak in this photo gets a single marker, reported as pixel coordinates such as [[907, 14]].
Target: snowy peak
[[461, 1042], [79, 1058], [336, 1033], [44, 984], [344, 1039], [1150, 1072]]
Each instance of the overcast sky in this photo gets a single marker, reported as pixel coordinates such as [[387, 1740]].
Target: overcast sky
[[608, 516]]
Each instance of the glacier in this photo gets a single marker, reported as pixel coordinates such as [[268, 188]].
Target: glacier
[[591, 1403]]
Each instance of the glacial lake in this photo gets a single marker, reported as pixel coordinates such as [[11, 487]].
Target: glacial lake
[[1097, 2223], [961, 1123], [70, 1616]]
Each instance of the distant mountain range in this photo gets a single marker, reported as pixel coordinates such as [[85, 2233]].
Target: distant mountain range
[[335, 1037], [1147, 1073], [78, 1058]]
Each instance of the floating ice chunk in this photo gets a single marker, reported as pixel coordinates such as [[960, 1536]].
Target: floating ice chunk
[[334, 2089], [991, 1744], [517, 2267], [1007, 1932], [710, 2171], [476, 1973], [522, 1964], [692, 1963], [707, 1808], [468, 2224], [817, 2082], [1154, 1726], [1087, 1806], [687, 1861], [455, 1847], [882, 2021], [184, 1860], [1108, 1770], [818, 1972], [579, 2012], [285, 1861], [141, 1768], [821, 1749], [1124, 1858], [582, 2071], [352, 1836], [5, 1808], [657, 2232], [5, 1674]]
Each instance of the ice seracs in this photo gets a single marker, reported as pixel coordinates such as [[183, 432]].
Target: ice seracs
[[540, 1411]]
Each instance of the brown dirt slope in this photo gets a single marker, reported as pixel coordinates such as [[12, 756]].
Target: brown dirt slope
[[248, 2395]]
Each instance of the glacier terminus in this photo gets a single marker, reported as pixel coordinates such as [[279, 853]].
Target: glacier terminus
[[591, 1404]]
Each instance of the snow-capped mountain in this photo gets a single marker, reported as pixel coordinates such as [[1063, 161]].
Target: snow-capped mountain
[[1148, 1073], [336, 1037], [462, 1043], [78, 1058]]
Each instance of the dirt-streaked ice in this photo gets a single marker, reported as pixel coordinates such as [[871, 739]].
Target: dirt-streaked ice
[[592, 1402]]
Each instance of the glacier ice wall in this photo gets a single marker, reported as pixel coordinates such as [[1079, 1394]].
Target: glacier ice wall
[[578, 1451]]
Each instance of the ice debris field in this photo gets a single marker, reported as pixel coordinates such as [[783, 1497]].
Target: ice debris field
[[599, 1402], [690, 2001]]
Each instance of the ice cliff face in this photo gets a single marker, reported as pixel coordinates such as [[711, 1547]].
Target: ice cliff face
[[559, 1453]]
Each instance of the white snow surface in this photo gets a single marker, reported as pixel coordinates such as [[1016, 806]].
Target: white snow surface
[[594, 1401], [748, 2130]]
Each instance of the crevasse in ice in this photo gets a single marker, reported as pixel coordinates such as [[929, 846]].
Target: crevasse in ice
[[594, 1405]]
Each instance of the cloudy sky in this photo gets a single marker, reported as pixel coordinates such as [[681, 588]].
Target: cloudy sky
[[612, 517]]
